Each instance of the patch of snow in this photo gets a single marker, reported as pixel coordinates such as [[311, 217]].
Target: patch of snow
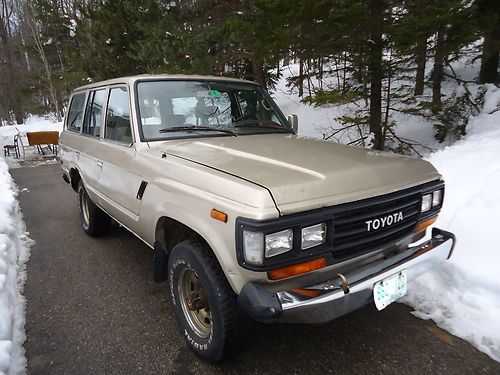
[[14, 252], [463, 295], [72, 27]]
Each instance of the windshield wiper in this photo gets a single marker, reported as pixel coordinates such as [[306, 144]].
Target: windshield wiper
[[257, 124], [196, 128]]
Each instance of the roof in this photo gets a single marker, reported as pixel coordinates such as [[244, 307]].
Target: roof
[[151, 77]]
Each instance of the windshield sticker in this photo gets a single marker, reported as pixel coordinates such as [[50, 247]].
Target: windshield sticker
[[214, 93]]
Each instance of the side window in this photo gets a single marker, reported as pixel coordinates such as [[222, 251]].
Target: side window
[[118, 116], [94, 113], [75, 113]]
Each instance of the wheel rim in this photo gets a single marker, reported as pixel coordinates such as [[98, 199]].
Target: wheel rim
[[85, 208], [194, 303]]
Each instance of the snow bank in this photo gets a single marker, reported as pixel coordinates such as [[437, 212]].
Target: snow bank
[[14, 252], [463, 296], [313, 121]]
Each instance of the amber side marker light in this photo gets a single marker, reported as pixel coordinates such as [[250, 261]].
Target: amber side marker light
[[424, 224], [217, 215], [296, 269]]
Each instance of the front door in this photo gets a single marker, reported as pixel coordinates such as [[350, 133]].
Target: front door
[[118, 184]]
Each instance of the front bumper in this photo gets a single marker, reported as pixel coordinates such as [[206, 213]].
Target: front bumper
[[349, 292]]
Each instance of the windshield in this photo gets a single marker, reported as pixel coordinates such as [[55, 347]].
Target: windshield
[[178, 109]]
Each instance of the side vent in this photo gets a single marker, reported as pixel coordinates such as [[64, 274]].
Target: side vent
[[140, 193]]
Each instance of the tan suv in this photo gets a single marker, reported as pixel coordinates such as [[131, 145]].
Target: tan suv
[[247, 220]]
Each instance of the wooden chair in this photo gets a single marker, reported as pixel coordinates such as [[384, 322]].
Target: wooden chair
[[15, 147]]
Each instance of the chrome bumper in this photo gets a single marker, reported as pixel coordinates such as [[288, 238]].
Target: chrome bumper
[[356, 291]]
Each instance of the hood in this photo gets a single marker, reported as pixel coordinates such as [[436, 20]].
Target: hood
[[303, 173]]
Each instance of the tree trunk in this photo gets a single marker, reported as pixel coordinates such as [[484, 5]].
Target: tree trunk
[[309, 77], [320, 73], [286, 59], [258, 72], [489, 22], [420, 57], [437, 74], [301, 78], [375, 72], [48, 71], [12, 80], [490, 58]]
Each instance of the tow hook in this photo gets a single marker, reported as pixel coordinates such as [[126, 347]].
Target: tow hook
[[344, 284]]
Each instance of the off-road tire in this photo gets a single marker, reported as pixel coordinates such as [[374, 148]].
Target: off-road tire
[[95, 222], [229, 326]]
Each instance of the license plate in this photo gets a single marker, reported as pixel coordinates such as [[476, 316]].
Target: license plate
[[389, 290]]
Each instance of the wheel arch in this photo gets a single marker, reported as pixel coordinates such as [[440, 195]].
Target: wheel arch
[[169, 232], [75, 177]]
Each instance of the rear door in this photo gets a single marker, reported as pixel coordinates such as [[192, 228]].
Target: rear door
[[70, 140], [91, 132], [118, 183]]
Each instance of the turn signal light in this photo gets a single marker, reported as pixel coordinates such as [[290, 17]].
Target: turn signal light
[[217, 215], [306, 292], [296, 269], [424, 224]]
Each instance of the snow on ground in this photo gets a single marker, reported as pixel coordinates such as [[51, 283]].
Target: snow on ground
[[32, 124], [313, 121], [463, 295], [14, 252], [320, 122]]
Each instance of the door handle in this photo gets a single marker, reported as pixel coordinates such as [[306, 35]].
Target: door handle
[[99, 163]]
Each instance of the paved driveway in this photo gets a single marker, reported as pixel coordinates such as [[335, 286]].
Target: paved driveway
[[92, 308]]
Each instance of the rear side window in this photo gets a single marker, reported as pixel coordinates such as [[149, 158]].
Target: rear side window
[[75, 113], [94, 113], [118, 116]]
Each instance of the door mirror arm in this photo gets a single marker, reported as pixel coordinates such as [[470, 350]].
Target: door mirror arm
[[293, 120]]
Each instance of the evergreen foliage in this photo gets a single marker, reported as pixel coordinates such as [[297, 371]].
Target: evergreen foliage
[[49, 47]]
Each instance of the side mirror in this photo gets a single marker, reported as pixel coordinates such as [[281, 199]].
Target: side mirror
[[294, 122]]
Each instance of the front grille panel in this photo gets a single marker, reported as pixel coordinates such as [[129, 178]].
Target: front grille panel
[[350, 235]]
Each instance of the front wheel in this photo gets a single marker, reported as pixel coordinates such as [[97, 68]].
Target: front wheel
[[95, 221], [204, 304]]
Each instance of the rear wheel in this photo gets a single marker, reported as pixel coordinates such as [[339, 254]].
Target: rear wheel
[[204, 304], [95, 222]]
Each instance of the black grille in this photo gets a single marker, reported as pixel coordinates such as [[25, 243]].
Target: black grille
[[350, 234]]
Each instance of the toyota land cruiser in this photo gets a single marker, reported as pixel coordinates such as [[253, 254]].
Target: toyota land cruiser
[[246, 219]]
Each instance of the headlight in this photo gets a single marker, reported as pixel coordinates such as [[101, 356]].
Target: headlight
[[279, 242], [313, 235], [426, 203], [437, 197], [256, 245], [253, 246]]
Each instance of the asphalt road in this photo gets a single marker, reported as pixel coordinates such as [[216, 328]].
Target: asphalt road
[[92, 308]]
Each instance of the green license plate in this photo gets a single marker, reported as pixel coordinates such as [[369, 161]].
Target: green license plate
[[388, 290]]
